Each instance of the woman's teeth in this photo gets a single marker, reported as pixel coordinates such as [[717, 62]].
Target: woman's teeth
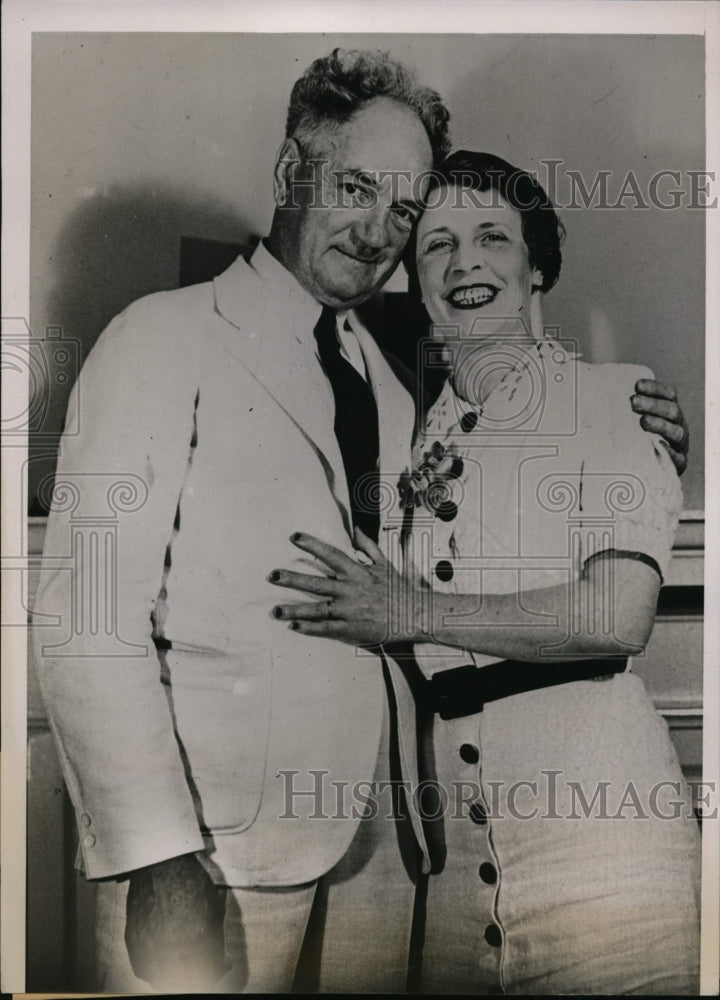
[[467, 298]]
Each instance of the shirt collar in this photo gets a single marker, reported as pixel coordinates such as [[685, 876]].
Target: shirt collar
[[305, 310]]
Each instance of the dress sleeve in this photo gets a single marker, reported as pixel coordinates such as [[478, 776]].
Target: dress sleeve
[[630, 493]]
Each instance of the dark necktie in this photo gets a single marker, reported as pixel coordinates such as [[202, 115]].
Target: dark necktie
[[356, 426]]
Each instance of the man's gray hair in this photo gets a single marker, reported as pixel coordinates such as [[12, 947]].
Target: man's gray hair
[[335, 87]]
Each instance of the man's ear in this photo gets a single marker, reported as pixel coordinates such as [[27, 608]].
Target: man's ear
[[286, 161]]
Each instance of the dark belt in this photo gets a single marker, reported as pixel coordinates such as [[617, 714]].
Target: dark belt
[[465, 690]]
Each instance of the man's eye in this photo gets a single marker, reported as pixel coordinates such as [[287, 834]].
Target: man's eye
[[361, 196], [402, 216]]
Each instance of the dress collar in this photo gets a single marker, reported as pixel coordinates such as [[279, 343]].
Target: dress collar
[[544, 356]]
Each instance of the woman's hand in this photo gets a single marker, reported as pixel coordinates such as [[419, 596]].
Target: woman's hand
[[362, 605]]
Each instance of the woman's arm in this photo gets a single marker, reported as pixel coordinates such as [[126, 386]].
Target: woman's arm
[[609, 611]]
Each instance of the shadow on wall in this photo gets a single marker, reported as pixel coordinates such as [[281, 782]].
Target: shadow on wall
[[115, 248]]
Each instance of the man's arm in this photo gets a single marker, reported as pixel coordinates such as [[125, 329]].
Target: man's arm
[[661, 413], [655, 401], [116, 493]]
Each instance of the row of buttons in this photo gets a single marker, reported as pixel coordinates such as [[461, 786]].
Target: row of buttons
[[487, 871], [446, 510]]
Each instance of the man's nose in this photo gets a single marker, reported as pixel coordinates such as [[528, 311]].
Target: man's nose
[[371, 228]]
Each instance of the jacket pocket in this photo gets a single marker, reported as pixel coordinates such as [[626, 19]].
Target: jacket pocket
[[221, 705]]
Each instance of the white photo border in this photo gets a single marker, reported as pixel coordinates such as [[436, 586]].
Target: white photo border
[[21, 18]]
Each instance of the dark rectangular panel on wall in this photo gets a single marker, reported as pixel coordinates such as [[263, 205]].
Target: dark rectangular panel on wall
[[202, 260]]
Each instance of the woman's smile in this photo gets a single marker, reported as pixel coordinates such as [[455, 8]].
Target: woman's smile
[[472, 296]]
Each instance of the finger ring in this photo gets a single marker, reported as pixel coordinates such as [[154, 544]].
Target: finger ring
[[328, 608]]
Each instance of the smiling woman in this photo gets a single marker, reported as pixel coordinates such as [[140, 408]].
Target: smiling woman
[[491, 241], [536, 575]]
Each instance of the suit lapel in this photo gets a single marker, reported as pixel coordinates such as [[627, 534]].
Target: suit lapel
[[268, 345]]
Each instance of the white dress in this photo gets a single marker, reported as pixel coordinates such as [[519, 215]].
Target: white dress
[[571, 853]]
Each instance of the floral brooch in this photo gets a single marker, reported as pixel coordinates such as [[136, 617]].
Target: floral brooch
[[429, 484]]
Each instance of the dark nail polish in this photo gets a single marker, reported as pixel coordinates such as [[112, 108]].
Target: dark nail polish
[[277, 612], [293, 626], [296, 536], [275, 575]]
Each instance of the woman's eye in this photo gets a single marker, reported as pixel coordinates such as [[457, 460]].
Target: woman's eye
[[438, 246], [494, 237]]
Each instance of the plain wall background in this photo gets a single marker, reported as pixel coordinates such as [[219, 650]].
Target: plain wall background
[[139, 139]]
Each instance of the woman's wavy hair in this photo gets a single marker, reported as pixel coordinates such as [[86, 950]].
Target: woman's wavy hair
[[542, 230], [337, 86]]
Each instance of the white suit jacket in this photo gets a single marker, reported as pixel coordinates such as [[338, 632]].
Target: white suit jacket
[[205, 401]]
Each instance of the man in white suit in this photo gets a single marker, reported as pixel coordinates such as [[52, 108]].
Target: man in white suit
[[203, 748]]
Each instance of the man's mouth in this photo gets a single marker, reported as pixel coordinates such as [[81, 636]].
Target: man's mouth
[[472, 296], [368, 261]]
